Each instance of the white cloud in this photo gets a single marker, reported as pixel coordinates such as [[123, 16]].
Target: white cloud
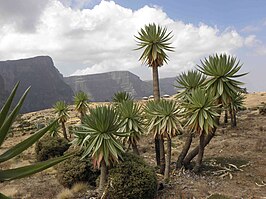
[[250, 29], [101, 39], [252, 41]]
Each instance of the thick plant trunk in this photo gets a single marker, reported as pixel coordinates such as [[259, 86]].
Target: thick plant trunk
[[233, 118], [162, 155], [195, 151], [200, 153], [156, 87], [168, 159], [179, 162], [81, 117], [157, 150], [156, 94], [225, 116], [64, 131], [235, 124], [135, 148], [103, 176]]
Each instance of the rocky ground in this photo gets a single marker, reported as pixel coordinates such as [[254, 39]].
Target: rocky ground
[[234, 161]]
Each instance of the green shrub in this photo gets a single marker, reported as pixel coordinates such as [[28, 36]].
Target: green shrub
[[49, 147], [132, 179], [76, 170]]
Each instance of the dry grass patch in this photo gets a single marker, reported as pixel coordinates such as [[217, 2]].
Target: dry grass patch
[[79, 187], [65, 194]]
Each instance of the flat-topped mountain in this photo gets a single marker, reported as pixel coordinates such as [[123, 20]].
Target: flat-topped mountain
[[101, 87], [47, 84]]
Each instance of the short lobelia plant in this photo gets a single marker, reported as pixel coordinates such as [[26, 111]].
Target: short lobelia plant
[[81, 103], [54, 130], [201, 113], [7, 118], [122, 96], [235, 105], [132, 121], [164, 120], [188, 82], [98, 138], [61, 109]]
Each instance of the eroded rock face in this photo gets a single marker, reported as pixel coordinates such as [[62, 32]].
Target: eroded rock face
[[47, 84], [101, 87], [3, 91]]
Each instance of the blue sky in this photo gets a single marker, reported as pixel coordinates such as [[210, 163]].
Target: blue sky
[[237, 13], [221, 13], [246, 16], [94, 36]]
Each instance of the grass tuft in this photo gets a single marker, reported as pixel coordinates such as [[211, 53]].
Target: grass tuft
[[79, 187], [65, 194]]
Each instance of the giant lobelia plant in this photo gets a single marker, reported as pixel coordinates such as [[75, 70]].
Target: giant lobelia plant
[[154, 40]]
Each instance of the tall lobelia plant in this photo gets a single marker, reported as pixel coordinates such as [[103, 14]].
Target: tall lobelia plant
[[155, 41], [7, 117], [221, 71]]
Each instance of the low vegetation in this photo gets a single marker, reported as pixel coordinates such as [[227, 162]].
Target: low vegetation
[[74, 170], [132, 179], [49, 147]]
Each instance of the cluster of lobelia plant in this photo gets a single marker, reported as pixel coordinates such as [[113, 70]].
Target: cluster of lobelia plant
[[7, 117], [206, 92], [61, 109], [105, 129]]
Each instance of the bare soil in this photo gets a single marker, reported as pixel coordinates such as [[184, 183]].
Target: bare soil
[[234, 161]]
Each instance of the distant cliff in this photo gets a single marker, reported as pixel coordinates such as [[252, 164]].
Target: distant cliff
[[3, 91], [101, 87], [47, 84]]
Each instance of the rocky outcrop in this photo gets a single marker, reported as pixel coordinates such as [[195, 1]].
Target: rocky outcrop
[[47, 84], [101, 87], [3, 91]]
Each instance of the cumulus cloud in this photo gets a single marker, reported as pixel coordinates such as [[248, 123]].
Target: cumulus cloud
[[250, 29], [100, 39]]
